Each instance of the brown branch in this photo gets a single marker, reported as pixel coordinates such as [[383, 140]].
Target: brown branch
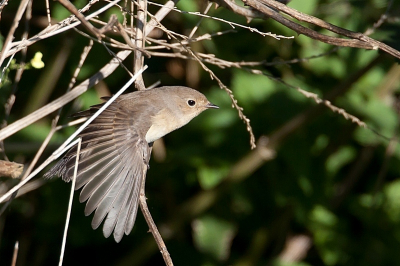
[[53, 127], [150, 222], [264, 152], [11, 99], [139, 41], [246, 12], [71, 8], [7, 43], [306, 31], [46, 33], [139, 83], [265, 9], [81, 88], [124, 35], [266, 147], [325, 25], [235, 104]]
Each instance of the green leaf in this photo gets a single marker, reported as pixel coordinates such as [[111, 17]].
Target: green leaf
[[322, 225], [322, 216], [209, 177], [225, 116], [213, 236], [89, 98], [340, 158], [305, 185], [249, 88], [306, 7], [392, 204]]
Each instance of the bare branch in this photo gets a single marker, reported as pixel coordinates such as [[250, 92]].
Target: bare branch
[[139, 40], [71, 8], [232, 24], [7, 43], [266, 9]]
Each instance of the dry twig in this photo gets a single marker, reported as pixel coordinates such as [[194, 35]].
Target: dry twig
[[10, 169], [213, 76]]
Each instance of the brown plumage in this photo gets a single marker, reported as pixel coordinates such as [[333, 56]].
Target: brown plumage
[[116, 149]]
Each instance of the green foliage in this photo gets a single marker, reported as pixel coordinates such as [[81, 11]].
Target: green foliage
[[209, 177], [36, 62], [340, 158], [250, 89], [305, 7], [392, 200], [213, 236]]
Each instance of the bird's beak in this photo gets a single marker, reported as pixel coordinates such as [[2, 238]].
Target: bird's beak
[[211, 105]]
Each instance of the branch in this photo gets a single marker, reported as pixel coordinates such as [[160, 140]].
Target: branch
[[139, 40], [325, 25], [71, 8], [220, 83], [150, 222], [266, 9], [7, 43], [107, 70]]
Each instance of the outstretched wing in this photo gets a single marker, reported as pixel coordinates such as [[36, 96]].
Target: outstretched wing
[[114, 156]]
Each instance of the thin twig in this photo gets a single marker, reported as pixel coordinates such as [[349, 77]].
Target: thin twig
[[53, 127], [11, 99], [150, 222], [221, 63], [48, 12], [200, 20], [15, 254], [71, 8], [138, 62], [34, 173], [14, 26], [67, 144], [62, 26], [357, 40], [61, 101], [221, 85], [71, 197], [381, 20], [230, 23], [81, 88]]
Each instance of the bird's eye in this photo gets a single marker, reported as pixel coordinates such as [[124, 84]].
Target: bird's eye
[[191, 103]]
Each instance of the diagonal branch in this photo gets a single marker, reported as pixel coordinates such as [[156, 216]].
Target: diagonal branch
[[323, 24], [104, 72], [266, 9], [71, 8], [7, 43]]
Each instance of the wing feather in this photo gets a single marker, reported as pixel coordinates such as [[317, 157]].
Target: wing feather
[[114, 156]]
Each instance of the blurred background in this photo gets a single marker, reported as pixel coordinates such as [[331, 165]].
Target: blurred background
[[318, 189]]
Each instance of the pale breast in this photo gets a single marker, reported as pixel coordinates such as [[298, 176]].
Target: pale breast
[[162, 124]]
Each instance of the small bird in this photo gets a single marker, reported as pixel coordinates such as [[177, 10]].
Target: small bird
[[116, 147]]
